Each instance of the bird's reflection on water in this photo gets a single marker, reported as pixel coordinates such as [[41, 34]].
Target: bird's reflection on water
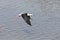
[[28, 31]]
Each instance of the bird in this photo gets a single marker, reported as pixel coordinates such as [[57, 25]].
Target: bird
[[26, 17]]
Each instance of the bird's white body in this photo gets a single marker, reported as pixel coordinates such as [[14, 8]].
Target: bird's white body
[[27, 14]]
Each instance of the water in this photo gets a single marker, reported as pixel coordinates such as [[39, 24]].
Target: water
[[45, 20]]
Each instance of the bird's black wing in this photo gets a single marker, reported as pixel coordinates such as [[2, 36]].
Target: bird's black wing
[[27, 19]]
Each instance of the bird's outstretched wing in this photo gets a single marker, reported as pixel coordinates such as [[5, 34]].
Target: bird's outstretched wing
[[28, 22], [27, 19]]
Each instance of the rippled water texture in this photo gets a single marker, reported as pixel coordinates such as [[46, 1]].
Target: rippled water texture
[[45, 20]]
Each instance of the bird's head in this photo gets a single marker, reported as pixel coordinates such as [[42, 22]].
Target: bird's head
[[19, 15]]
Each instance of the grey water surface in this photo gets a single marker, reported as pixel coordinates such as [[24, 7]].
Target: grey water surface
[[45, 20]]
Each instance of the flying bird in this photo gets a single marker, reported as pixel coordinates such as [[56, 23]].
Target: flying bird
[[26, 17]]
